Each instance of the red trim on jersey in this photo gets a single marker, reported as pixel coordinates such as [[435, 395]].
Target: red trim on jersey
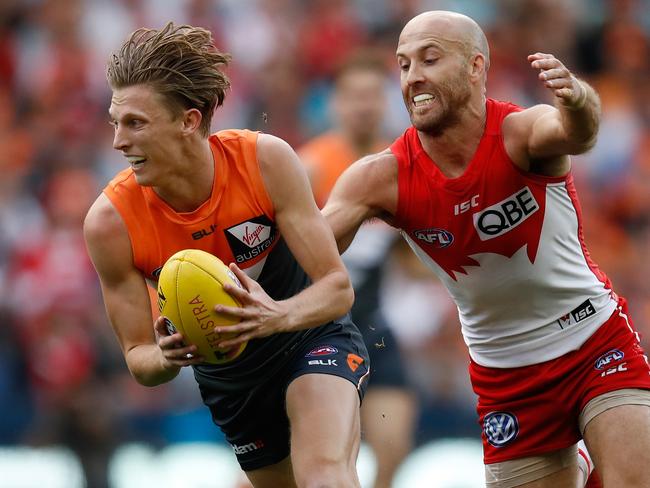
[[573, 194]]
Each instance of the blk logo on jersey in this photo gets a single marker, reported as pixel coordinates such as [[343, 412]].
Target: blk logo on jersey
[[251, 238], [578, 314], [440, 238], [200, 234], [608, 358], [504, 216], [500, 428]]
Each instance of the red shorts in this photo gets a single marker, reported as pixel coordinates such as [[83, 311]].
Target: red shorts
[[534, 409]]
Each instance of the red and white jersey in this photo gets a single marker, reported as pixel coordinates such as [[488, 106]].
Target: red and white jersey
[[509, 247]]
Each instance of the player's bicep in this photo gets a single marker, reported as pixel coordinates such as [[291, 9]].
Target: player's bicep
[[299, 219], [366, 189], [536, 141]]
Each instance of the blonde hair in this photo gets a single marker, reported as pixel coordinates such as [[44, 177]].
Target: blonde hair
[[179, 62]]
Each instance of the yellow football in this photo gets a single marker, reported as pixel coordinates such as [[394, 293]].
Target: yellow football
[[190, 285]]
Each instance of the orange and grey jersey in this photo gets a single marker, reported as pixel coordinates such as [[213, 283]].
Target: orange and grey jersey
[[236, 224]]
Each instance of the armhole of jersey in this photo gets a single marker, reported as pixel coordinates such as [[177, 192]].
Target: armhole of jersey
[[255, 173], [400, 151], [505, 109], [130, 222]]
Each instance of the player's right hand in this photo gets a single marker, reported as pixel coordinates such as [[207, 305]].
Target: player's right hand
[[559, 80], [175, 352]]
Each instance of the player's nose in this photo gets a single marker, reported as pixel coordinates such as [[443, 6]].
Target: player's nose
[[120, 140]]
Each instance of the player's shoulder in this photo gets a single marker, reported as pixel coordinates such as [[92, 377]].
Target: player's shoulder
[[275, 154], [380, 165], [517, 121], [103, 222]]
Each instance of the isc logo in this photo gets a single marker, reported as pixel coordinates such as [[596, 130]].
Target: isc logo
[[581, 312], [505, 215]]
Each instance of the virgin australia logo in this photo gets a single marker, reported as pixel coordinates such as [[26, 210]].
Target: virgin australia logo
[[500, 428]]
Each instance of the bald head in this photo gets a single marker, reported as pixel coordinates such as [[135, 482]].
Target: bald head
[[451, 29]]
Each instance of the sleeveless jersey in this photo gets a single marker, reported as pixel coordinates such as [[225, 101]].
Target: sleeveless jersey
[[235, 224], [509, 247]]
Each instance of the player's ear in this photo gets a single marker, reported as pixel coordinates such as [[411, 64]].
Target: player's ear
[[477, 65], [191, 120]]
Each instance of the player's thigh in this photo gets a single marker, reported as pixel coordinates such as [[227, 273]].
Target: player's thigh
[[618, 440], [388, 417], [273, 476], [557, 469], [323, 412]]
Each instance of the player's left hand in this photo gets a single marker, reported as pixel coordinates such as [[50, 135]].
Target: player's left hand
[[260, 315], [559, 80]]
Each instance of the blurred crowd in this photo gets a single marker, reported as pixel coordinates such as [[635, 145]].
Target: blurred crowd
[[62, 377]]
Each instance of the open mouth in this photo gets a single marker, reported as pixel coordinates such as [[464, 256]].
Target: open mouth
[[136, 162], [422, 100]]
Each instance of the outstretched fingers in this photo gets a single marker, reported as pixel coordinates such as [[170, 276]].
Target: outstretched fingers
[[559, 80]]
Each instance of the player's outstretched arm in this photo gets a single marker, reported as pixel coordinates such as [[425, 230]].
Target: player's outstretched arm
[[152, 356], [547, 133], [366, 189]]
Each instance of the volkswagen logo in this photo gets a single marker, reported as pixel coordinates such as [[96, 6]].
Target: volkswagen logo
[[500, 428]]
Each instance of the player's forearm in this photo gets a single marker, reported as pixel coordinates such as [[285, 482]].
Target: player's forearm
[[344, 226], [581, 119], [148, 367], [328, 298]]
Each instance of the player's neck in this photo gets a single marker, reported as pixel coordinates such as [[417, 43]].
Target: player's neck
[[190, 183], [453, 149]]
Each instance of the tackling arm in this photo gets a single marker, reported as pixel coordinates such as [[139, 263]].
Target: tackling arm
[[366, 189]]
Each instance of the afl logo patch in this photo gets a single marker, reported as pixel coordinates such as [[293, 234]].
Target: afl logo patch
[[439, 238], [500, 428], [322, 351], [609, 357]]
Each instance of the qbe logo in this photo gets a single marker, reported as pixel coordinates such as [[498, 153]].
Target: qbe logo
[[505, 215], [500, 428]]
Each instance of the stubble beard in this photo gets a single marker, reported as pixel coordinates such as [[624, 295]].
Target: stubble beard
[[451, 98]]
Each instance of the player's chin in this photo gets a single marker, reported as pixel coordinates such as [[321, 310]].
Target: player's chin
[[143, 179]]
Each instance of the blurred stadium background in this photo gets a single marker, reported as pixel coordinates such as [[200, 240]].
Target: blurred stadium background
[[71, 415]]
